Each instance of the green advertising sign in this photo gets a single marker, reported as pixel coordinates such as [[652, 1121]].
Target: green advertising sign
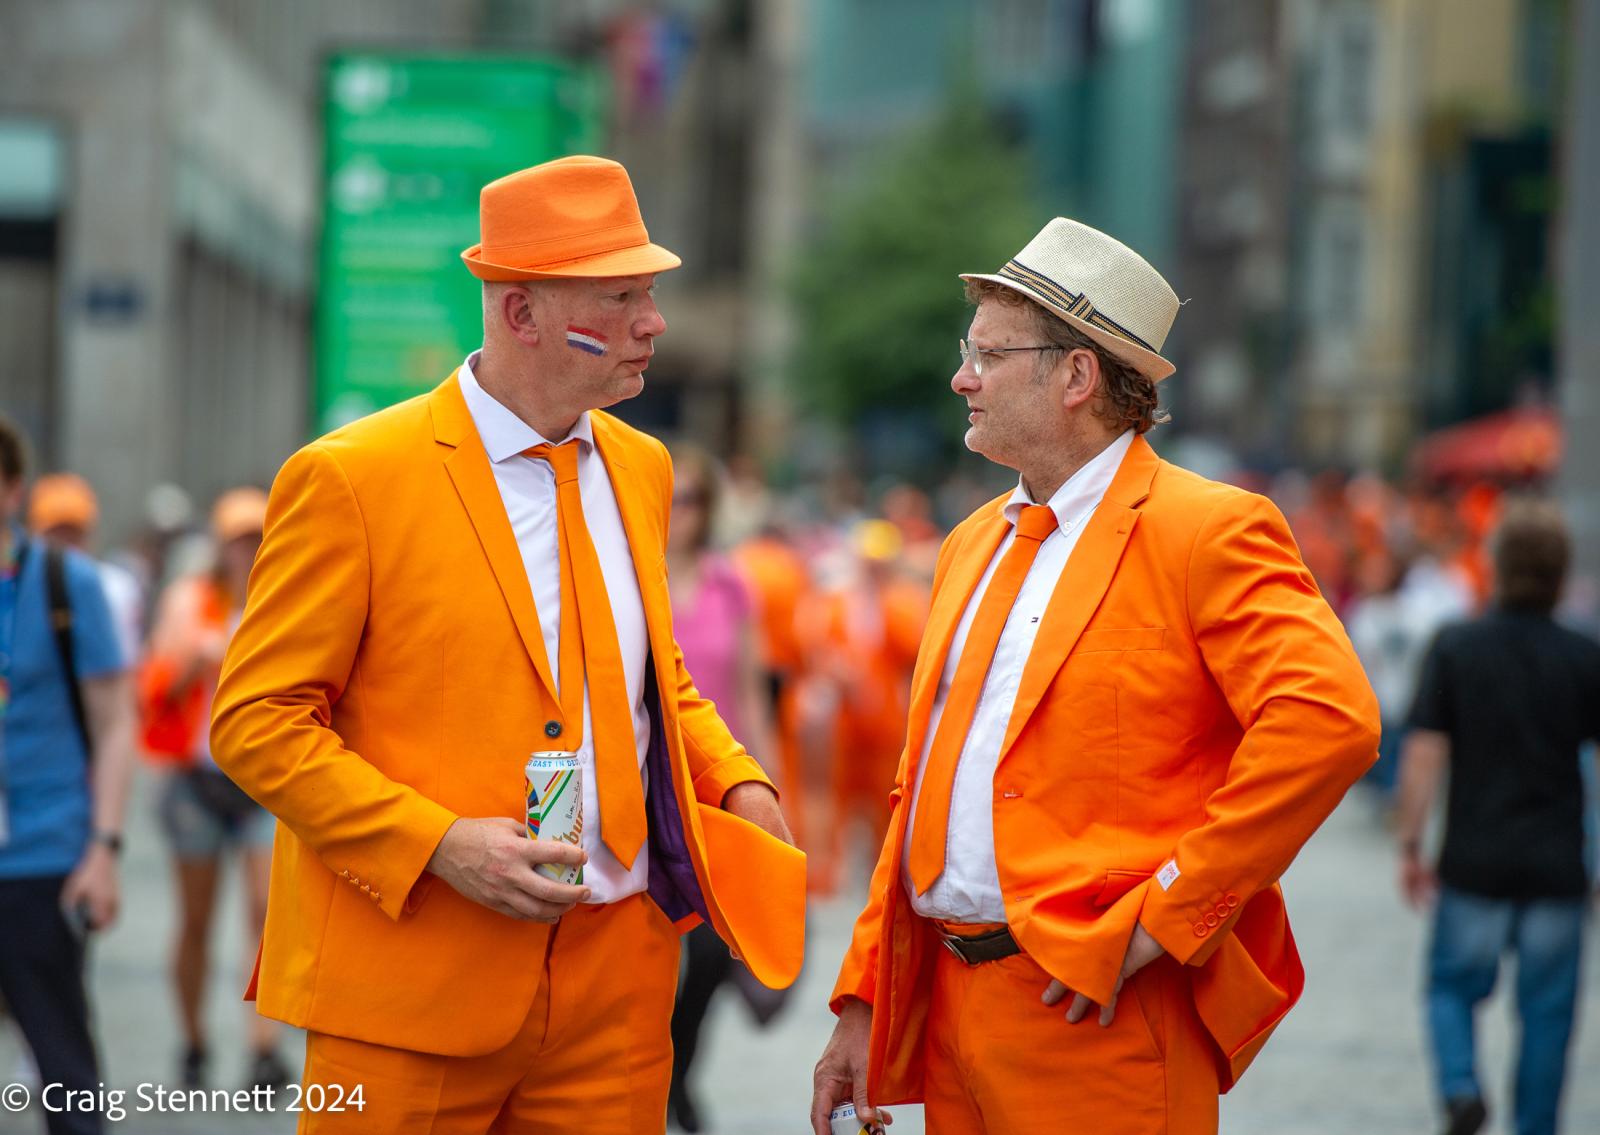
[[410, 141]]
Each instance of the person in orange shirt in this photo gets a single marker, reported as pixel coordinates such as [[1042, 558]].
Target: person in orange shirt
[[1131, 709], [203, 813], [444, 588], [862, 638], [779, 581]]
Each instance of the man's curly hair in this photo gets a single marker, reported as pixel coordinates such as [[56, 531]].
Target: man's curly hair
[[1127, 399]]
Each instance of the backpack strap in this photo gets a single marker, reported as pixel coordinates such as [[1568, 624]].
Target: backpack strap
[[61, 619]]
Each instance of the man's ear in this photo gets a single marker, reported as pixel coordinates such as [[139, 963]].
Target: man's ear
[[517, 312], [1083, 377]]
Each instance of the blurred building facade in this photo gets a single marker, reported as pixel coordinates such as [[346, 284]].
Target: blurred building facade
[[1234, 224], [160, 172], [159, 218], [1368, 213]]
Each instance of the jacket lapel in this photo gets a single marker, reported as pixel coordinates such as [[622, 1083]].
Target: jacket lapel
[[641, 521], [1084, 581], [967, 565], [468, 466]]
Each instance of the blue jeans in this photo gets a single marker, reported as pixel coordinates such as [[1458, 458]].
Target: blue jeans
[[1470, 934]]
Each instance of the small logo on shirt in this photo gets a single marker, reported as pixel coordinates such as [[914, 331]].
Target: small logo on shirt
[[1168, 874]]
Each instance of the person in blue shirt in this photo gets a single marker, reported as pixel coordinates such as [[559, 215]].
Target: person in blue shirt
[[63, 789]]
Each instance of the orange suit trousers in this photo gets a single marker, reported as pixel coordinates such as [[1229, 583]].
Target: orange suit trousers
[[593, 1055], [998, 1059]]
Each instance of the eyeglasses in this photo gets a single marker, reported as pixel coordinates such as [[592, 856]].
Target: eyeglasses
[[974, 355]]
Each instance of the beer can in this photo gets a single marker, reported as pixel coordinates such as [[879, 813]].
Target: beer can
[[842, 1121], [554, 783]]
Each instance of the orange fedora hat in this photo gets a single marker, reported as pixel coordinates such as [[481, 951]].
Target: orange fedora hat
[[573, 217]]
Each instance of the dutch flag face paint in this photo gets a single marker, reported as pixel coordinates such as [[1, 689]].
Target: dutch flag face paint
[[582, 339]]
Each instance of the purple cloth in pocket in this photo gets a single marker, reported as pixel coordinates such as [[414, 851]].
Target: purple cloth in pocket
[[672, 882]]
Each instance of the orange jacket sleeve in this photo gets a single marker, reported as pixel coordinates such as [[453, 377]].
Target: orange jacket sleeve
[[1291, 678], [287, 667]]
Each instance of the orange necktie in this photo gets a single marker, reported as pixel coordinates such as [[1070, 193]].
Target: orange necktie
[[933, 805], [589, 651]]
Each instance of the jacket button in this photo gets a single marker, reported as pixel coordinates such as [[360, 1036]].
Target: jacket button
[[1211, 920], [552, 728], [1233, 899], [1222, 911], [1199, 929]]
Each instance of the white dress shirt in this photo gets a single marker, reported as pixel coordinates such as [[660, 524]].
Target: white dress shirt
[[528, 490], [969, 888]]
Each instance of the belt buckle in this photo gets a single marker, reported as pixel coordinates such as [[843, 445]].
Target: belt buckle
[[954, 943]]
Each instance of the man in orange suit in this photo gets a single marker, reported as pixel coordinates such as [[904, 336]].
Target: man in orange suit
[[1130, 710], [444, 588]]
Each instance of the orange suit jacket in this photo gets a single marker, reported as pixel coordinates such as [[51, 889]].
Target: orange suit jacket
[[1190, 697], [390, 676]]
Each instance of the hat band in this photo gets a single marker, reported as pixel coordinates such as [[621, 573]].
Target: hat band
[[562, 250], [1077, 305]]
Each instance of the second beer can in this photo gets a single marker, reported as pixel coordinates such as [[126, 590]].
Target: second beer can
[[554, 783]]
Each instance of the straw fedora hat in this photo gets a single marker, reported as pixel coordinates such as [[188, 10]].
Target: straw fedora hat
[[571, 218], [1100, 286]]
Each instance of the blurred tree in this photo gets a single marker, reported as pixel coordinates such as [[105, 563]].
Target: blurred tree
[[879, 304]]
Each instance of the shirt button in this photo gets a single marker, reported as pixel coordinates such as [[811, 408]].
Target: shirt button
[[552, 728]]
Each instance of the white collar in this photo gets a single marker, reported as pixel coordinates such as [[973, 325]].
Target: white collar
[[1077, 498], [504, 435]]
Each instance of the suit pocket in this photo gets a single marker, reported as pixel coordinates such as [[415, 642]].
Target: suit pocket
[[1120, 638], [1118, 883], [1147, 1001]]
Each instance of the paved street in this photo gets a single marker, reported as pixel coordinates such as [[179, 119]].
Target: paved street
[[1348, 1060]]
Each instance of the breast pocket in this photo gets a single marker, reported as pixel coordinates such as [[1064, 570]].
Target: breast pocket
[[1103, 639]]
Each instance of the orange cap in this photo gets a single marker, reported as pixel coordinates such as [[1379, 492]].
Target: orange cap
[[62, 498], [239, 512], [574, 217]]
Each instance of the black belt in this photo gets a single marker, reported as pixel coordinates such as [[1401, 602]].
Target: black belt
[[980, 948]]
